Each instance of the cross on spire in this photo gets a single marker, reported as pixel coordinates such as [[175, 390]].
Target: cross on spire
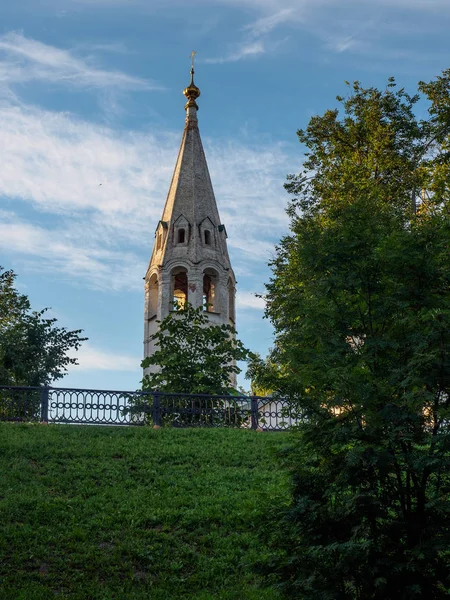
[[192, 55]]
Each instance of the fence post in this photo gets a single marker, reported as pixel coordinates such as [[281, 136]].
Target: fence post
[[254, 412], [44, 404], [156, 409]]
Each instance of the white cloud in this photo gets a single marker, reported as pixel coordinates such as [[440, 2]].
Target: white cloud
[[249, 300], [94, 359], [23, 60]]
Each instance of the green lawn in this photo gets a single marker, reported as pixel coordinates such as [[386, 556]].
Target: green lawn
[[106, 513]]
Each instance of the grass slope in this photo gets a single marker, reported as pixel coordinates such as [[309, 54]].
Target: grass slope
[[111, 513]]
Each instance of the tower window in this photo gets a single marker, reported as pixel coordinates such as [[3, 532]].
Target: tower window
[[159, 241], [207, 237], [180, 290], [181, 236]]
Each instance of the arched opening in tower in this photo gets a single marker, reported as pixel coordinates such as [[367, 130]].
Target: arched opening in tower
[[209, 290], [152, 301], [180, 289]]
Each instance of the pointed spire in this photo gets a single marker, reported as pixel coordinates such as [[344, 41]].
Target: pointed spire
[[191, 195]]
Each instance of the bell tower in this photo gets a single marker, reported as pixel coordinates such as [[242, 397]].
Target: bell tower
[[190, 261]]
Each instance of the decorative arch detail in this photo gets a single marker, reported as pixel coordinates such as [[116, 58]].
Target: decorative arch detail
[[207, 233], [181, 231]]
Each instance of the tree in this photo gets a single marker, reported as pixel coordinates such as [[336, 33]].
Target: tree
[[193, 356], [262, 373], [360, 302], [33, 350]]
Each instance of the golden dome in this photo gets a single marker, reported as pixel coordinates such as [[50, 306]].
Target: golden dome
[[191, 92]]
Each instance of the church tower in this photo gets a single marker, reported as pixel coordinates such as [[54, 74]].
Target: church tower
[[190, 259]]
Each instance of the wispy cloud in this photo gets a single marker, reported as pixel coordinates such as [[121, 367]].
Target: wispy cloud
[[343, 26], [249, 300], [105, 191], [332, 21], [113, 47], [246, 50], [269, 6], [266, 24], [59, 250], [91, 358], [24, 59], [256, 37], [343, 44], [64, 164], [423, 5]]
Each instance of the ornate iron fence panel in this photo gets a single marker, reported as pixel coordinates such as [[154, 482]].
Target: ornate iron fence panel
[[201, 410], [277, 414], [97, 406], [112, 407]]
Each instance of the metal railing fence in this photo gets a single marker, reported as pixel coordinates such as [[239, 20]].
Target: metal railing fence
[[137, 408]]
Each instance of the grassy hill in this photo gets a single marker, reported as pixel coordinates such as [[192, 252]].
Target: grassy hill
[[109, 513]]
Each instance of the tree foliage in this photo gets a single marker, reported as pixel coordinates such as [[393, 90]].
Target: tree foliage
[[193, 356], [360, 302], [33, 350]]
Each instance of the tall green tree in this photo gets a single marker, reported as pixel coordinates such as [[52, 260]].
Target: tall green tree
[[193, 356], [360, 303], [34, 351]]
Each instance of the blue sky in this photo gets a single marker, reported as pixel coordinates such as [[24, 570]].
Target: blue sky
[[90, 94]]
